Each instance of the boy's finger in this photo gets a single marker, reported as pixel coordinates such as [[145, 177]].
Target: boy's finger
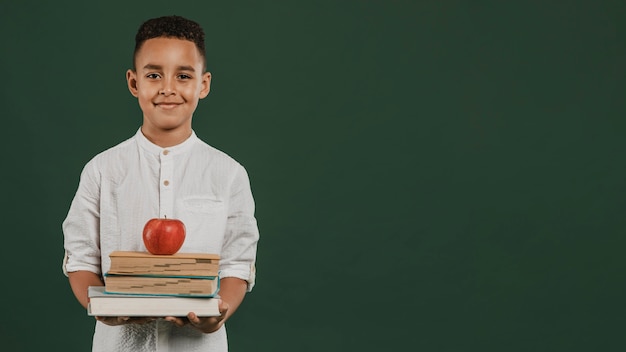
[[193, 318]]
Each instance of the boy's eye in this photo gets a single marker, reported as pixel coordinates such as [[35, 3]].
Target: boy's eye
[[184, 76], [152, 76]]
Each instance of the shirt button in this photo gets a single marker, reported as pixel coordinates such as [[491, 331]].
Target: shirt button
[[166, 183], [165, 152]]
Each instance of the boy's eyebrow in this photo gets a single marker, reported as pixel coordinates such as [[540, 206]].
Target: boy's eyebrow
[[159, 67]]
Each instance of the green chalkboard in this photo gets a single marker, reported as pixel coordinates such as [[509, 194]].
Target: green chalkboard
[[429, 175]]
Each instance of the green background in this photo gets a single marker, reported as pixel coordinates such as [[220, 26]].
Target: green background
[[429, 175]]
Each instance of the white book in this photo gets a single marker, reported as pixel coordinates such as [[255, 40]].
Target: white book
[[105, 304]]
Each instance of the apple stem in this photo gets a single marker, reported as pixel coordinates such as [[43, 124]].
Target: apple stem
[[165, 216]]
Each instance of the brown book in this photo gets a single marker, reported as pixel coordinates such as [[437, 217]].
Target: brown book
[[162, 285], [179, 264]]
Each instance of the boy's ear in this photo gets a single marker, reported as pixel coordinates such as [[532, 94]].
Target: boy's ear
[[131, 79], [206, 85]]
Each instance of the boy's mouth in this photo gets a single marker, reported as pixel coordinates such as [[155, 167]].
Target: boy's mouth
[[167, 106]]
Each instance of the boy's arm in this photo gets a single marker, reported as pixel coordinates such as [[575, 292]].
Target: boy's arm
[[238, 253], [81, 231], [80, 281], [232, 292]]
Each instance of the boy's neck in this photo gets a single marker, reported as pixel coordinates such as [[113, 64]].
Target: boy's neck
[[166, 139]]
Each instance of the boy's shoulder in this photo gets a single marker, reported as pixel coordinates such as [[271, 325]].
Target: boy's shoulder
[[203, 147], [122, 148]]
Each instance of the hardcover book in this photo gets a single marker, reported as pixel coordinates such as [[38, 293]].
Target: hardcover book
[[162, 285], [179, 264]]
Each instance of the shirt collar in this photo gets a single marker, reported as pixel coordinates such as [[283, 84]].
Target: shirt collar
[[156, 150]]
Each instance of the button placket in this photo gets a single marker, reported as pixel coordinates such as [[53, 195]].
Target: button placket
[[166, 198]]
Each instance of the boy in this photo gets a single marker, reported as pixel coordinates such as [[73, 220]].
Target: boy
[[164, 170]]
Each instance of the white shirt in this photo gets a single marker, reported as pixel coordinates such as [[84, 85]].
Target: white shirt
[[123, 187]]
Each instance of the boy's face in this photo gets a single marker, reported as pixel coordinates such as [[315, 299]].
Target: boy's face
[[168, 82]]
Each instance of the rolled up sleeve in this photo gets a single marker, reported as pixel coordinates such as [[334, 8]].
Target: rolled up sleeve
[[238, 257], [81, 226]]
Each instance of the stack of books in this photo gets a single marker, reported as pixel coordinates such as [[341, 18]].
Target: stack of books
[[144, 284]]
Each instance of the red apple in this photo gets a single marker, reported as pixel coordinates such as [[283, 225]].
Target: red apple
[[163, 236]]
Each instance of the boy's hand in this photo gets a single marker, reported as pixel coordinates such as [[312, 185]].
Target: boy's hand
[[204, 324], [114, 321]]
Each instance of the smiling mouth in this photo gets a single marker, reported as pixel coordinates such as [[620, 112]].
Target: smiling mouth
[[167, 106]]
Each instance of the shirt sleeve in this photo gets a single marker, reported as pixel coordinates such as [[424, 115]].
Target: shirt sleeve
[[81, 226], [238, 256]]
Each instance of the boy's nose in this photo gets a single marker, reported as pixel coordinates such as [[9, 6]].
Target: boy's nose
[[166, 91], [167, 88]]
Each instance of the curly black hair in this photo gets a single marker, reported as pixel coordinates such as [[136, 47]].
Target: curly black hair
[[170, 27]]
